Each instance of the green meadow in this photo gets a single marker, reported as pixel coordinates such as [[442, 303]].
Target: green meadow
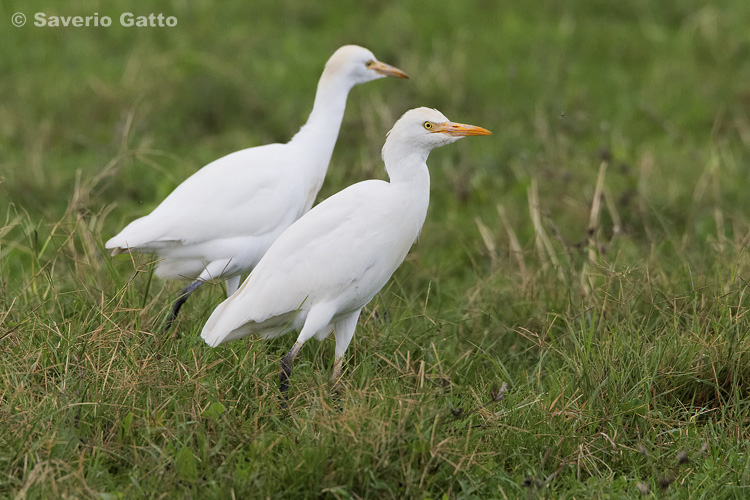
[[572, 322]]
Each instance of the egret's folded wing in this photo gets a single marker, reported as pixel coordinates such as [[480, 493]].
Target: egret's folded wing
[[245, 193]]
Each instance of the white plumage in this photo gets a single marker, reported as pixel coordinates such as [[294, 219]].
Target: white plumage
[[324, 268], [219, 222]]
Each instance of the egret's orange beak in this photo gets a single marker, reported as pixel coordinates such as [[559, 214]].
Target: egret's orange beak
[[460, 129], [387, 69]]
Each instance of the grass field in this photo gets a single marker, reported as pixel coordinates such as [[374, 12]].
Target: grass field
[[573, 322]]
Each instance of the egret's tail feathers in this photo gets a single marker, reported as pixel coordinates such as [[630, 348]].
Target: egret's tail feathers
[[215, 337], [222, 327], [116, 245], [217, 327]]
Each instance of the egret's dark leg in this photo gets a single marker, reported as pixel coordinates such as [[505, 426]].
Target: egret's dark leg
[[286, 367], [317, 319], [184, 294]]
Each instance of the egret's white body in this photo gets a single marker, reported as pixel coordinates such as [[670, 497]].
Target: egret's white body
[[219, 222], [324, 268]]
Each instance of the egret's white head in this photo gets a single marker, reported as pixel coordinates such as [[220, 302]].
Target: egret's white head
[[358, 65], [418, 132], [425, 128]]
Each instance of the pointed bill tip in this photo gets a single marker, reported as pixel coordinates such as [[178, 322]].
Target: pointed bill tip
[[387, 69], [462, 129]]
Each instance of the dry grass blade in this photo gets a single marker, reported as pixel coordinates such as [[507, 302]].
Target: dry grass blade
[[544, 249], [515, 246], [487, 239], [587, 280]]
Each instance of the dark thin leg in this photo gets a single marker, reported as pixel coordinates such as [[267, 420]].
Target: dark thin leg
[[286, 368], [184, 294]]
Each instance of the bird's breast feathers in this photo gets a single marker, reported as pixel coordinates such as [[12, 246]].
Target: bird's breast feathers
[[209, 205]]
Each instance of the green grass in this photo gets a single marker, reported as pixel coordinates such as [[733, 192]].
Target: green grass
[[592, 255]]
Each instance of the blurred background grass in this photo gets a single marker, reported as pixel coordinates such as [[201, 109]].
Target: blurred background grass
[[631, 328]]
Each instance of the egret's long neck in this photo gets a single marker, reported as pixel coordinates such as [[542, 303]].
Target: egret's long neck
[[406, 163], [407, 169], [318, 136]]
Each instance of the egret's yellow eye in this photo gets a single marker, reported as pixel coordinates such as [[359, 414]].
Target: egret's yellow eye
[[427, 125], [369, 63]]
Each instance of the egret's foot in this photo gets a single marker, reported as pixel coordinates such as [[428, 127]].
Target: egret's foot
[[286, 368], [337, 404], [283, 401]]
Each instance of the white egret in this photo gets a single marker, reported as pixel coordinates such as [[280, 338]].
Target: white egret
[[319, 274], [219, 222]]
